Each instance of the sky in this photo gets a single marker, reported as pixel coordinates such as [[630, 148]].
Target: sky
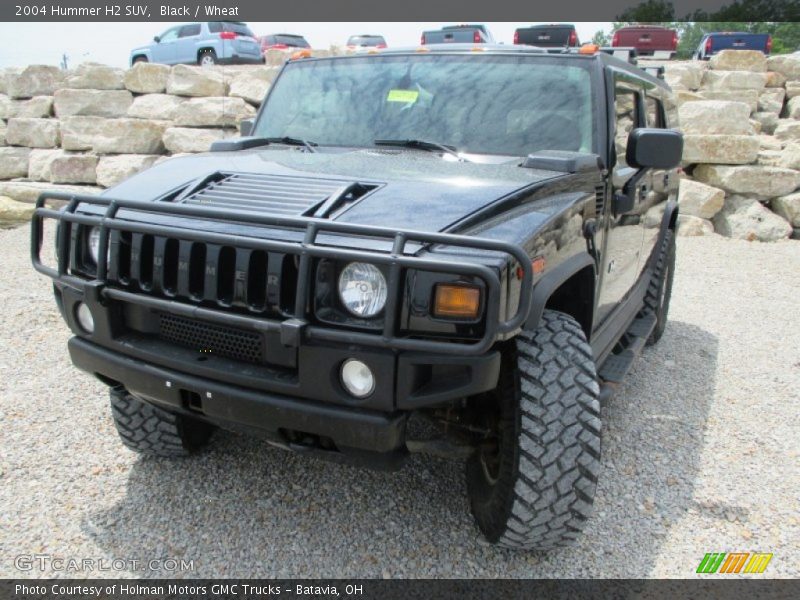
[[110, 43]]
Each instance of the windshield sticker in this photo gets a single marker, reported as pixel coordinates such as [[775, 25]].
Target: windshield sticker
[[406, 96]]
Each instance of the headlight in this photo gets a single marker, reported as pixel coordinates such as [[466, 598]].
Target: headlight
[[362, 289], [94, 244]]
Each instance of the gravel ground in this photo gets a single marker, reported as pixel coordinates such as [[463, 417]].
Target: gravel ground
[[700, 455]]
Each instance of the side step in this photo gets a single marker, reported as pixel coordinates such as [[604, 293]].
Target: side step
[[616, 366]]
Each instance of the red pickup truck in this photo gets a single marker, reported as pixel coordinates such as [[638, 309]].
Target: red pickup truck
[[647, 39]]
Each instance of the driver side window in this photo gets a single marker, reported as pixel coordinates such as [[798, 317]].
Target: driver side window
[[170, 34]]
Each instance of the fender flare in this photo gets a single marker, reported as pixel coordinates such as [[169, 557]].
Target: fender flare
[[551, 281], [668, 221]]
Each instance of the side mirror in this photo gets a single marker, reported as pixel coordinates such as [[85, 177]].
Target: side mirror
[[648, 148], [245, 127], [654, 148], [156, 39]]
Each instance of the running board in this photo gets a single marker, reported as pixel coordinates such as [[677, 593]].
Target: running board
[[616, 366]]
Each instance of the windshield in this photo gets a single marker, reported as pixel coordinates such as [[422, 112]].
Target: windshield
[[509, 105]]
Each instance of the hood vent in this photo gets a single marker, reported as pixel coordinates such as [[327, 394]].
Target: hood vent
[[278, 194]]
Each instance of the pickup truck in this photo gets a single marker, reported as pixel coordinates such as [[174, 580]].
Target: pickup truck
[[547, 36], [458, 34], [421, 271], [712, 43], [647, 39]]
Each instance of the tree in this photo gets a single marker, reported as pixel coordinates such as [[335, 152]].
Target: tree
[[649, 11], [601, 38]]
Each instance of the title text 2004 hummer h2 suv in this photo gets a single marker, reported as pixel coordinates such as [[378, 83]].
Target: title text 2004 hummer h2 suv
[[405, 239]]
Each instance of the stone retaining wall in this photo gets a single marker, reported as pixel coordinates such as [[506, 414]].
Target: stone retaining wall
[[94, 126], [740, 114]]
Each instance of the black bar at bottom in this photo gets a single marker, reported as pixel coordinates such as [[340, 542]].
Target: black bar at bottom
[[391, 589]]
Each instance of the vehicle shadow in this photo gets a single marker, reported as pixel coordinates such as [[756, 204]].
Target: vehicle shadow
[[243, 508]]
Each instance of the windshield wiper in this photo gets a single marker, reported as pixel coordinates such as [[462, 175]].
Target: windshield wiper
[[423, 145], [290, 141]]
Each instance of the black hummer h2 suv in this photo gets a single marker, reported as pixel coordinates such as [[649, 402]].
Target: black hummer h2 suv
[[448, 250]]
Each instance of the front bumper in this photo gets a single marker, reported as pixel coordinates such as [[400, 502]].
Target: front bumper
[[310, 372], [272, 416]]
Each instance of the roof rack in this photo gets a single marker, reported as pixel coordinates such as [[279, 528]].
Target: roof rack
[[628, 54]]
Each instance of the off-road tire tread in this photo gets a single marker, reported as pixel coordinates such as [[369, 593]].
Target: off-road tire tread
[[150, 430], [550, 495]]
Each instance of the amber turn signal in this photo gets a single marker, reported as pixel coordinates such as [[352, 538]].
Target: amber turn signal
[[457, 301]]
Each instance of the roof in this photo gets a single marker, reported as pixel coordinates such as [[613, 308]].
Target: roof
[[504, 49], [546, 26], [466, 48]]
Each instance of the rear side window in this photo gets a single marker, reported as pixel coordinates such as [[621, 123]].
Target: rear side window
[[655, 113], [626, 107], [215, 27], [189, 30]]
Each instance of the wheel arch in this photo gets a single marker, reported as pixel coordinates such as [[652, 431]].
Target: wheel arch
[[205, 48], [568, 288]]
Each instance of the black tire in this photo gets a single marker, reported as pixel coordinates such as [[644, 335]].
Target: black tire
[[537, 491], [659, 291], [150, 430], [207, 57], [140, 59]]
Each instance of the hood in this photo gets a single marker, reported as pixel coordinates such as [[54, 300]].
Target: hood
[[396, 188]]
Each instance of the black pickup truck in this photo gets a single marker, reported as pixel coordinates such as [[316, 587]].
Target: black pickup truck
[[385, 264]]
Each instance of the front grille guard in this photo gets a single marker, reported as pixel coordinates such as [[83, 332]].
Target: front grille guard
[[294, 330]]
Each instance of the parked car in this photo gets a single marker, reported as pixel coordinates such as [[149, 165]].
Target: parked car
[[647, 39], [463, 248], [711, 43], [458, 34], [214, 42], [547, 36], [365, 41], [282, 41]]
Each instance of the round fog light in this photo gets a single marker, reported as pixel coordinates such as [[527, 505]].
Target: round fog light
[[357, 378], [85, 318]]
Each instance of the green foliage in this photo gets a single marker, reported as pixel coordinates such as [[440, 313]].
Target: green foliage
[[649, 11], [601, 38], [779, 18]]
